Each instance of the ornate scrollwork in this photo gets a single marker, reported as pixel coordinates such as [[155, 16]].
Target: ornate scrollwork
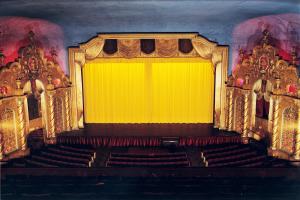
[[204, 49], [264, 57], [93, 48], [31, 60], [31, 65]]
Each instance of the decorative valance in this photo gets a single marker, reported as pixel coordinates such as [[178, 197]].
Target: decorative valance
[[185, 45], [166, 47], [147, 46], [129, 48]]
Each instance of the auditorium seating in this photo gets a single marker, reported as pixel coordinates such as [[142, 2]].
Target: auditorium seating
[[237, 155], [214, 155], [165, 159], [57, 156]]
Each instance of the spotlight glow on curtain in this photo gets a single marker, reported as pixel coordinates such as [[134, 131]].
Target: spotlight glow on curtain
[[148, 90]]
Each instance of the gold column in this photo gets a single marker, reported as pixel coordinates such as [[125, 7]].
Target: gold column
[[297, 145], [67, 108], [275, 134], [246, 114], [1, 147], [230, 109], [21, 123], [51, 128], [50, 113]]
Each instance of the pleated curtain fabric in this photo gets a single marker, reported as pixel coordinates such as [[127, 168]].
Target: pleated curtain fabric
[[148, 90]]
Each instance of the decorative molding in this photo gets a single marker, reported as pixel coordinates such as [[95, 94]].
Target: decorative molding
[[93, 48], [149, 36], [204, 47]]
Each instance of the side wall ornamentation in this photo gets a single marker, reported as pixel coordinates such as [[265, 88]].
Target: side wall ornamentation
[[32, 77], [270, 89]]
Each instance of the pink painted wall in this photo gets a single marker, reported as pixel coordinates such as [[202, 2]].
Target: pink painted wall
[[284, 29], [14, 31]]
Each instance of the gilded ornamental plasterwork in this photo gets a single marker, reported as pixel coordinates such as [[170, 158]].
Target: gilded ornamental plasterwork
[[281, 94]]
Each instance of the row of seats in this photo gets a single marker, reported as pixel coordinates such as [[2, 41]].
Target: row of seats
[[57, 156], [234, 155], [167, 159]]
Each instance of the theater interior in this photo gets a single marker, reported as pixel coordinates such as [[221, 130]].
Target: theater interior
[[149, 99]]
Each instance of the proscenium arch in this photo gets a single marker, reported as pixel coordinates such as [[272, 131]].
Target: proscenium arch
[[206, 49]]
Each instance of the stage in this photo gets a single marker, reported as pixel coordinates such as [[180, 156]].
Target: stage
[[147, 135], [149, 130]]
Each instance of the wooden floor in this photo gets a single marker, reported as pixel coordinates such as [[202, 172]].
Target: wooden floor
[[162, 130]]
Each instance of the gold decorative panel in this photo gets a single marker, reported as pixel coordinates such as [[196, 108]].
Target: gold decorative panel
[[289, 129], [33, 73], [59, 115], [239, 114], [8, 129]]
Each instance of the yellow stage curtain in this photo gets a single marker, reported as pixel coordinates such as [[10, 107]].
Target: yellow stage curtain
[[148, 90]]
